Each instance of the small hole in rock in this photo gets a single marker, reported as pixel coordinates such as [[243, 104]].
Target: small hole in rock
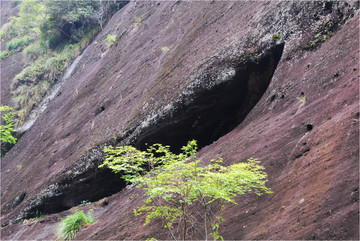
[[309, 127], [104, 203], [273, 98], [99, 110]]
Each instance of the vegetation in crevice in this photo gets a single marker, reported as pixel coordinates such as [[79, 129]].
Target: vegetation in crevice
[[324, 33], [110, 39], [276, 37]]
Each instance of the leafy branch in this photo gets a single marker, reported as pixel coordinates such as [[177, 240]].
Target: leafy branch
[[188, 196], [8, 128]]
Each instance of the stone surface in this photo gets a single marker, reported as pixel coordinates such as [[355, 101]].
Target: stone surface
[[128, 93]]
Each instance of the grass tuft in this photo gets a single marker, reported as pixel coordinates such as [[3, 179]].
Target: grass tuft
[[70, 225], [110, 39]]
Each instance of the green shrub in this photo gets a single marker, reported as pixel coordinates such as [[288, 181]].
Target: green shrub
[[35, 50], [139, 20], [7, 130], [5, 29], [179, 186], [3, 54], [302, 99], [54, 32], [70, 225], [23, 113], [164, 49], [17, 42], [110, 39], [2, 35], [33, 82], [19, 101], [276, 36]]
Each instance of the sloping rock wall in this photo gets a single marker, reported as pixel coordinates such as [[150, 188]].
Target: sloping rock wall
[[302, 124]]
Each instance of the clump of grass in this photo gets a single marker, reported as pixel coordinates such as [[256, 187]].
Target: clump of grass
[[17, 42], [139, 20], [4, 54], [70, 225], [302, 99], [110, 39], [164, 49], [276, 36], [35, 50]]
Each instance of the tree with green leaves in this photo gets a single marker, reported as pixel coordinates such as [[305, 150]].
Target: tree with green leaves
[[66, 20], [69, 20], [188, 196], [7, 129], [7, 137]]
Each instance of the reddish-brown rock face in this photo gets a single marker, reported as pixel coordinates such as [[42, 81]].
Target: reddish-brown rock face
[[247, 79]]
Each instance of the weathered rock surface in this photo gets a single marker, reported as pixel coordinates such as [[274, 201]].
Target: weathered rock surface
[[233, 77]]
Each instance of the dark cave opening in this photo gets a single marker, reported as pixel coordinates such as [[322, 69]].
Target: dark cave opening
[[214, 113], [90, 186]]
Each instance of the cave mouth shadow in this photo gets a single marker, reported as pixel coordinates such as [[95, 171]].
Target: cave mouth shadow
[[215, 112], [90, 186]]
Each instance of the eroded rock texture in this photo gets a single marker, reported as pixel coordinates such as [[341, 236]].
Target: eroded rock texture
[[247, 79]]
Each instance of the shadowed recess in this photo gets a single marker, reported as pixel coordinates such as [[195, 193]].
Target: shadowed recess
[[215, 112], [85, 183]]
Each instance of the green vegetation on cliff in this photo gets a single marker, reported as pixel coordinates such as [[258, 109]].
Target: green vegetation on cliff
[[50, 35], [8, 128], [70, 225], [6, 131], [188, 196]]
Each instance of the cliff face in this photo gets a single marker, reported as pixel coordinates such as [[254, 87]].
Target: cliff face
[[273, 80]]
